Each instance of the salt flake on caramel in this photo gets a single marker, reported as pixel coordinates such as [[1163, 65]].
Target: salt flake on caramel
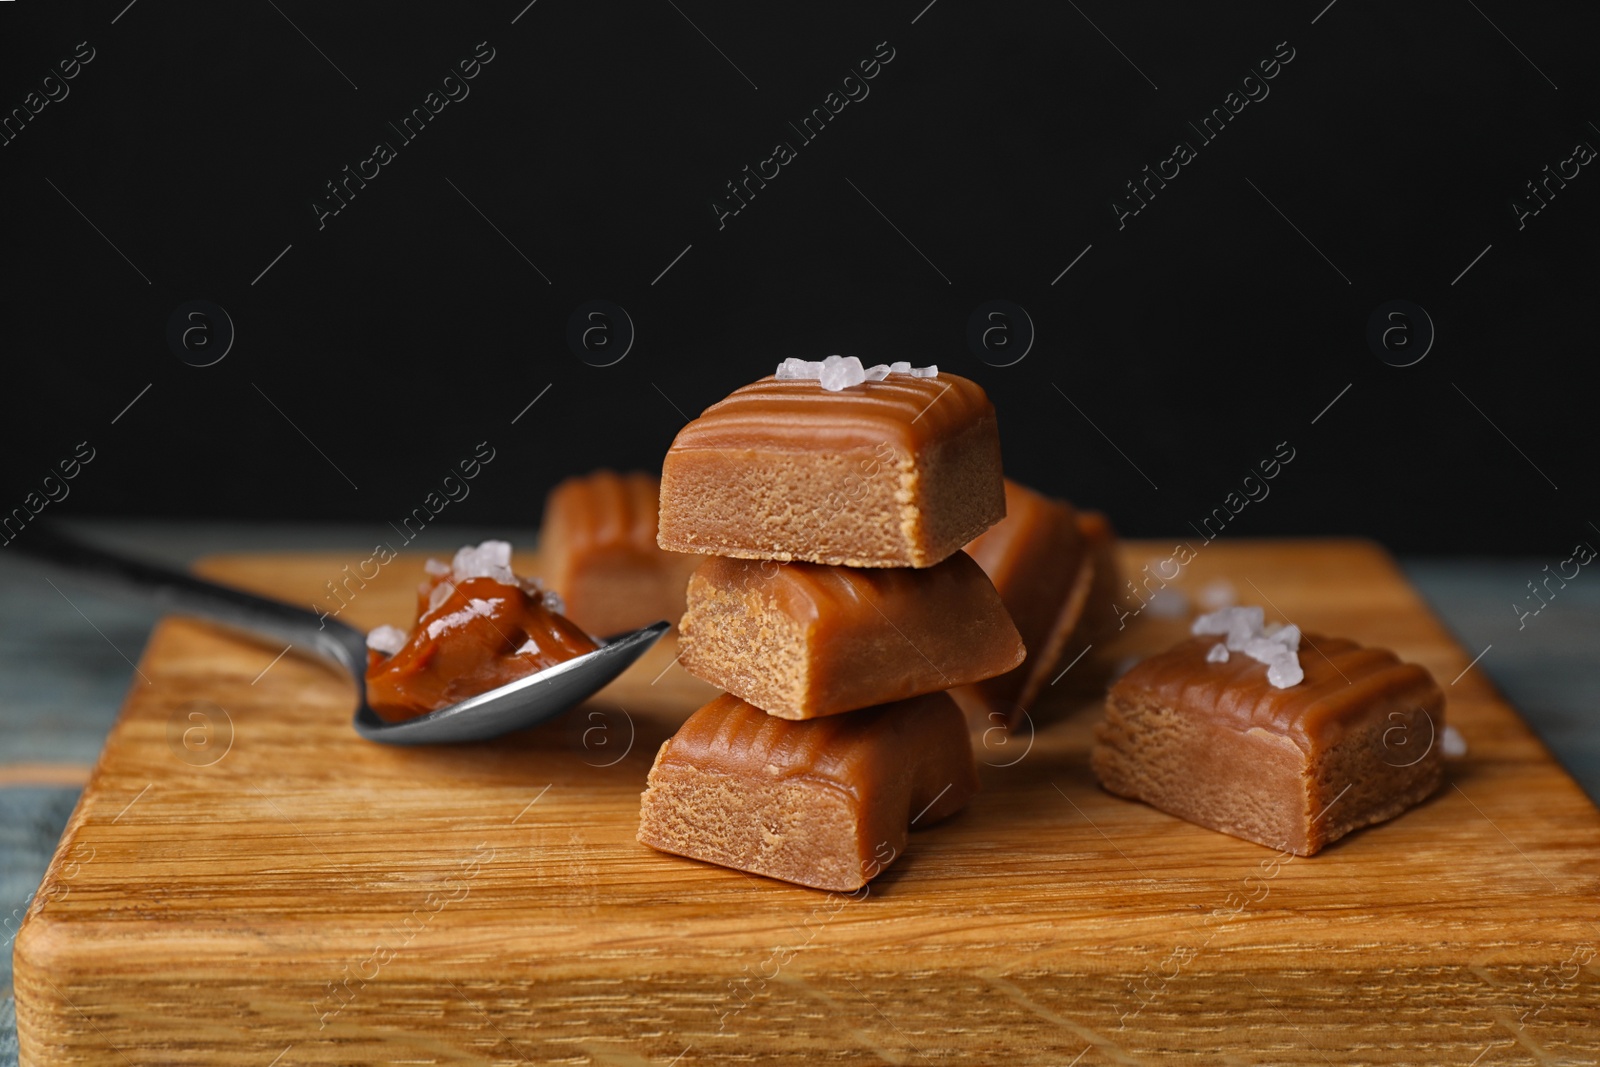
[[479, 626]]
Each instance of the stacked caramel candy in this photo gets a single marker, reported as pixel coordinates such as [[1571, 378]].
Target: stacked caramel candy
[[835, 607]]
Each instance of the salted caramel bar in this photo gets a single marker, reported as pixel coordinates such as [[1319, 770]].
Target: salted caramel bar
[[803, 640], [1039, 562], [1205, 736], [894, 473], [598, 546], [826, 803]]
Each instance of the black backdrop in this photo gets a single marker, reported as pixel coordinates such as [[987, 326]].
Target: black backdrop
[[375, 347]]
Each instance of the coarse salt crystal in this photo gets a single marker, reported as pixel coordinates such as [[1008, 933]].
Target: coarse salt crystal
[[386, 639], [1245, 631], [841, 372], [1218, 653], [799, 368], [491, 559], [1237, 624], [1452, 744], [436, 567], [1262, 649], [1285, 671], [477, 608]]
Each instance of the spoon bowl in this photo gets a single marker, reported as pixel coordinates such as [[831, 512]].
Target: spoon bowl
[[517, 705]]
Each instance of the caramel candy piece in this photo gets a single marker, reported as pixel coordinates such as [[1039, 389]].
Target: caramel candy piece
[[1039, 562], [1295, 768], [894, 473], [1101, 617], [826, 803], [598, 546], [802, 640]]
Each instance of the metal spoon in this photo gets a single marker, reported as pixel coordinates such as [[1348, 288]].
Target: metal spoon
[[514, 706]]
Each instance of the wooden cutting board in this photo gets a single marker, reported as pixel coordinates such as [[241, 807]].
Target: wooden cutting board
[[245, 881]]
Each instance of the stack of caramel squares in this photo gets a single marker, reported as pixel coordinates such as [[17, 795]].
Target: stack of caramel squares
[[834, 604]]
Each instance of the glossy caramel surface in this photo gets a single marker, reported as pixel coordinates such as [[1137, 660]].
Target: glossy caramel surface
[[839, 597], [860, 752], [1344, 683], [1032, 556], [799, 415], [481, 636]]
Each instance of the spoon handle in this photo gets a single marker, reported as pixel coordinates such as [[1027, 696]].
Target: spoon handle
[[183, 593]]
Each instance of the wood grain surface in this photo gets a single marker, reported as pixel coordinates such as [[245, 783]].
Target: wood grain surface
[[259, 886]]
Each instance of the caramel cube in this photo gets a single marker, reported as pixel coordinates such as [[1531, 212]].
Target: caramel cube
[[1039, 562], [826, 803], [1215, 743], [598, 546], [894, 473], [803, 640]]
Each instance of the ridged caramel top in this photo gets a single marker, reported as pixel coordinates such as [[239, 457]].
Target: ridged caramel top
[[734, 737], [799, 415], [1343, 683], [812, 591], [604, 511]]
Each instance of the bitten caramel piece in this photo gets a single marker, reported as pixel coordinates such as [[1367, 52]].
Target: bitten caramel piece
[[894, 473], [598, 545], [1039, 562], [1215, 743], [826, 803], [802, 640]]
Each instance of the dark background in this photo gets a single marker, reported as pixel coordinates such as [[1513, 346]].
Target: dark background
[[1174, 355]]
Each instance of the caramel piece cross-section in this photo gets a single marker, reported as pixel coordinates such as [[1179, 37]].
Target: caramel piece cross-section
[[894, 473], [826, 803]]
